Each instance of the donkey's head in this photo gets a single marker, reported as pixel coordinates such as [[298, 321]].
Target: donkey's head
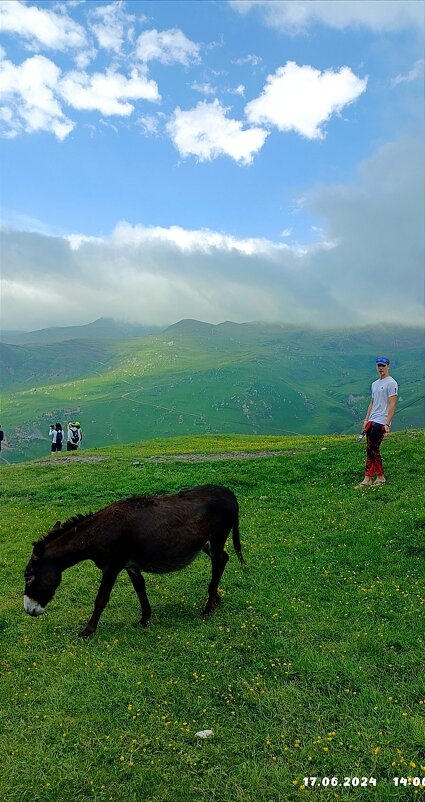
[[42, 577]]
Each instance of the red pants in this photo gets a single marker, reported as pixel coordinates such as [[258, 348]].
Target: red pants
[[374, 436]]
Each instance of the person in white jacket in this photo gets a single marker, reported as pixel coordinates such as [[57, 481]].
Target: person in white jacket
[[56, 433]]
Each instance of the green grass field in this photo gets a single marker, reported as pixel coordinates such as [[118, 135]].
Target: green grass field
[[312, 666], [199, 379]]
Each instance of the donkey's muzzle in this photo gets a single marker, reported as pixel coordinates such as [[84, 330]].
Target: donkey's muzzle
[[32, 607]]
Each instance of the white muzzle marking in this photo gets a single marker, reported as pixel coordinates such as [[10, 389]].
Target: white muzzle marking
[[32, 607]]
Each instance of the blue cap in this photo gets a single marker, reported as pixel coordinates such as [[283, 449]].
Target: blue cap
[[382, 360]]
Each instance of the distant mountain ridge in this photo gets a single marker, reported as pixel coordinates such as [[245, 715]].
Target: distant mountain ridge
[[195, 377], [102, 329]]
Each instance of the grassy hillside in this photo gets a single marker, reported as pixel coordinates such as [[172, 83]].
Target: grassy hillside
[[198, 378], [312, 666]]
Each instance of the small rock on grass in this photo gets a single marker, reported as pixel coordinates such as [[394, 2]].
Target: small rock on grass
[[204, 733]]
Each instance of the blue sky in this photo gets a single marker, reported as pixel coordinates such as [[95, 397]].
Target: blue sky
[[216, 160]]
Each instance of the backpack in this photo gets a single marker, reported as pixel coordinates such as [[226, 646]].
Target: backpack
[[75, 435], [59, 437]]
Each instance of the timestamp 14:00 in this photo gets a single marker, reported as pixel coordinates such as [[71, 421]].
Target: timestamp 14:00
[[360, 782]]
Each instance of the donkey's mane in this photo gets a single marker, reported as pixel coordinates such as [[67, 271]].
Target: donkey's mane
[[65, 527]]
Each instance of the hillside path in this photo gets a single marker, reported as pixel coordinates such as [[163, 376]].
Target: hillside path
[[218, 457]]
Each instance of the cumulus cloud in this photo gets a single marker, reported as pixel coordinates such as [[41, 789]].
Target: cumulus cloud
[[34, 91], [206, 132], [303, 98], [368, 268], [40, 26], [108, 92], [111, 25], [297, 16], [168, 47], [203, 241], [30, 99]]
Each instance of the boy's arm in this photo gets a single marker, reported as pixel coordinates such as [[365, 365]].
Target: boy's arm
[[391, 409]]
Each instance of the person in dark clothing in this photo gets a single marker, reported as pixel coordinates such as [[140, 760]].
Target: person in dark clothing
[[56, 433]]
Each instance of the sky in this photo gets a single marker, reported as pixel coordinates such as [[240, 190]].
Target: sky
[[212, 159]]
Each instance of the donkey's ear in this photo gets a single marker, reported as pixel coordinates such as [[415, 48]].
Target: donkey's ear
[[57, 525], [38, 549]]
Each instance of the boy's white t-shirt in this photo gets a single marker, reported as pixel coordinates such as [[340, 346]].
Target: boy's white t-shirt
[[382, 391]]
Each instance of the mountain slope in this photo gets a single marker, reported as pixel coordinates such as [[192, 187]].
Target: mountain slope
[[200, 378], [101, 329]]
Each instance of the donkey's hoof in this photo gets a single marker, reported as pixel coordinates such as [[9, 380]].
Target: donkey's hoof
[[86, 633], [144, 622], [210, 607]]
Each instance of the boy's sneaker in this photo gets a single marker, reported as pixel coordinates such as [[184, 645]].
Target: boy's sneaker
[[380, 480]]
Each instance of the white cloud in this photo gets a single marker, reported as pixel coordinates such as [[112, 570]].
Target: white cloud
[[209, 90], [168, 47], [374, 237], [40, 26], [251, 59], [197, 241], [206, 132], [238, 90], [204, 88], [415, 74], [302, 98], [111, 25], [29, 92], [108, 92], [34, 91], [150, 273], [296, 16], [149, 124]]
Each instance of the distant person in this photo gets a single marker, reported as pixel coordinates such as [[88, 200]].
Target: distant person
[[378, 421], [78, 425], [73, 437], [1, 436], [57, 436]]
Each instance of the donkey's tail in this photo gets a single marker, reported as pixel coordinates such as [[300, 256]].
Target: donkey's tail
[[236, 540]]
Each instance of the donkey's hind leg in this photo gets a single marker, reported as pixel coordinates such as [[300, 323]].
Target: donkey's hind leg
[[139, 586], [218, 562]]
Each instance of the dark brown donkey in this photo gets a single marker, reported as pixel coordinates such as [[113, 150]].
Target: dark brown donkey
[[157, 534]]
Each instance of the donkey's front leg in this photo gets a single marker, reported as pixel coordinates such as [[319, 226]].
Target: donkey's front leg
[[107, 583]]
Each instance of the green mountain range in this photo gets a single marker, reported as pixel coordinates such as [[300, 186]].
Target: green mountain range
[[199, 378], [104, 328]]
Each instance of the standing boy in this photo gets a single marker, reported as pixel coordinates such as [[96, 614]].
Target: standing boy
[[378, 421]]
